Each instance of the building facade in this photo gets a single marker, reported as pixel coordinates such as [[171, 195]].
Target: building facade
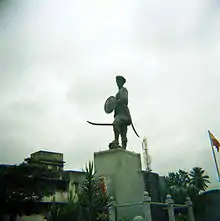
[[71, 179]]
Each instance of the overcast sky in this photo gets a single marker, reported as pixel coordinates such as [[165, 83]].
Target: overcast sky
[[58, 62]]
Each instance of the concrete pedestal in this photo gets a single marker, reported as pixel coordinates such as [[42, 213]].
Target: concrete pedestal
[[124, 179]]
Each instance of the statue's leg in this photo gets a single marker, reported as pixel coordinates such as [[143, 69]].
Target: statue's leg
[[124, 139], [116, 129], [115, 143], [116, 132]]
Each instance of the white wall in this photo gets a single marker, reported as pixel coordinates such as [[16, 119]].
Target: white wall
[[62, 196]]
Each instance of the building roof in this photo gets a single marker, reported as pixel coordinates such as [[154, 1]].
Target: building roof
[[45, 161], [211, 190], [7, 165], [48, 152], [74, 171]]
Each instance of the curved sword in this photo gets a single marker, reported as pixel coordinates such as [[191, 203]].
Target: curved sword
[[110, 124], [134, 130], [100, 124]]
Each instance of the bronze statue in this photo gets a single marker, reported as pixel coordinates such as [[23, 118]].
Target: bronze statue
[[122, 117]]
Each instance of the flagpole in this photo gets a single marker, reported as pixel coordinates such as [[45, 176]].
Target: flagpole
[[213, 152]]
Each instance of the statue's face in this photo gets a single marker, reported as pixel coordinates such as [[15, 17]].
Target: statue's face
[[119, 83]]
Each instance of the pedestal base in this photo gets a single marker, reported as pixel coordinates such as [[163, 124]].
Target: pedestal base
[[124, 178], [115, 146]]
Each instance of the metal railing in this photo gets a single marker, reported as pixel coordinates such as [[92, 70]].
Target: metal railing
[[169, 205]]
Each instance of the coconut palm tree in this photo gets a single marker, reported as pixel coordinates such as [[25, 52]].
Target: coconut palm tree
[[198, 178]]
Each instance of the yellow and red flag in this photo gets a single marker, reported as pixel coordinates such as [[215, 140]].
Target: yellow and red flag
[[215, 142]]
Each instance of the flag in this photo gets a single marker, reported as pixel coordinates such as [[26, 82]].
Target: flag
[[215, 142]]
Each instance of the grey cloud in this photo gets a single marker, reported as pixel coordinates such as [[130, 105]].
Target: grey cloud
[[58, 65]]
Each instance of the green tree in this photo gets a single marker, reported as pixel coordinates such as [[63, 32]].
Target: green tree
[[182, 184], [178, 179], [177, 185], [26, 182], [93, 203], [198, 179], [21, 186], [67, 212]]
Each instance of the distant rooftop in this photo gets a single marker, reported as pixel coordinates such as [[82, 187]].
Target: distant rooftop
[[74, 171], [46, 152], [46, 157], [211, 190], [7, 165]]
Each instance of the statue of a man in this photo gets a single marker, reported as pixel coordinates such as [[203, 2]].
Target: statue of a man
[[122, 117]]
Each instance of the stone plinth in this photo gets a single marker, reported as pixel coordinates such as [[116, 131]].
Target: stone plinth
[[122, 171]]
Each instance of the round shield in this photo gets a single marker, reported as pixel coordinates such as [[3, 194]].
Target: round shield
[[110, 104]]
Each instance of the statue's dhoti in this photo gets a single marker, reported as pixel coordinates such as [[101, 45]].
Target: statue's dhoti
[[120, 124]]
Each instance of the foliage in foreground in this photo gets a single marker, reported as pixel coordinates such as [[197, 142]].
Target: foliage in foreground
[[92, 203], [25, 182]]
